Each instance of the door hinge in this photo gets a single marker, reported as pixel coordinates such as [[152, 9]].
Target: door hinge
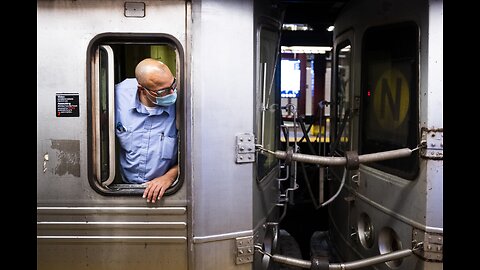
[[428, 245], [244, 246], [433, 140], [245, 149]]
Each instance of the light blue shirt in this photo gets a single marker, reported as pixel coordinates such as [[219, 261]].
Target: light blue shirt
[[148, 138]]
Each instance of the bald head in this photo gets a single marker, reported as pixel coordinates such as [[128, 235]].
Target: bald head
[[153, 74]]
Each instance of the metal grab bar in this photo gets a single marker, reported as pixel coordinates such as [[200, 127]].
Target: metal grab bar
[[345, 266], [332, 161]]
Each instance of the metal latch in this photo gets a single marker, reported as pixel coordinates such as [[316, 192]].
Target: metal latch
[[244, 250], [431, 247], [245, 150]]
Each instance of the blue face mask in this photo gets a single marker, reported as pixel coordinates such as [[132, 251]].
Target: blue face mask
[[166, 100]]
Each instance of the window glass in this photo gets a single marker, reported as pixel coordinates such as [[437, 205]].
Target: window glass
[[390, 95], [268, 96], [342, 96]]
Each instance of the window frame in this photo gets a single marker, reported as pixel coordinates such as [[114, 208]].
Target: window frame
[[338, 119], [273, 26], [92, 77]]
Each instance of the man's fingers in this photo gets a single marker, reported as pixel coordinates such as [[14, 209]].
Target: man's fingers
[[145, 192], [149, 192], [162, 191], [155, 193]]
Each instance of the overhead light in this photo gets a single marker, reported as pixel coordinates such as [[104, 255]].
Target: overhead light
[[305, 49], [296, 27], [330, 28], [346, 49]]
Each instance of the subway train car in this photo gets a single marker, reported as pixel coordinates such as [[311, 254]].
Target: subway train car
[[387, 93], [383, 168], [224, 201]]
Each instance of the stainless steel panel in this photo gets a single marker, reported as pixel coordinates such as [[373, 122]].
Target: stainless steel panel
[[77, 227], [222, 92], [218, 255], [434, 92], [125, 254], [64, 30], [111, 237]]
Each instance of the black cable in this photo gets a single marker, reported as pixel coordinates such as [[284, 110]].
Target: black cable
[[305, 135]]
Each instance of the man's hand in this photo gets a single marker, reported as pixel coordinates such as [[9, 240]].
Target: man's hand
[[157, 186]]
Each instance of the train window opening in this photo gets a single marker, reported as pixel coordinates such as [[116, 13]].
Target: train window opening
[[114, 60], [290, 91], [389, 95], [268, 97], [305, 75]]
